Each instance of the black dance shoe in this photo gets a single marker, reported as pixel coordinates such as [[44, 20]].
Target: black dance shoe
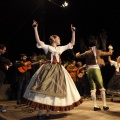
[[97, 108], [38, 116], [105, 108], [47, 117]]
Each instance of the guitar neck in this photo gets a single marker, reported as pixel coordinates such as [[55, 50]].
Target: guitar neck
[[35, 63]]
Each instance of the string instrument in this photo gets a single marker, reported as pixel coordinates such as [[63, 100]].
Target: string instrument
[[27, 66], [81, 71]]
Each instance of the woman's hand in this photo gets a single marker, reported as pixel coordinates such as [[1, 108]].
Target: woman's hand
[[35, 24], [73, 28], [110, 47]]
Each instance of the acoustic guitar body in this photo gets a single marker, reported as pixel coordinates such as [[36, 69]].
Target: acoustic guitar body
[[23, 69]]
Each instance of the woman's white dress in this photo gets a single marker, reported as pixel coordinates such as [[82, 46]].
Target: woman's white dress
[[114, 83], [51, 87]]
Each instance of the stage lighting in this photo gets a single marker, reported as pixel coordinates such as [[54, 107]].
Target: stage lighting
[[65, 4]]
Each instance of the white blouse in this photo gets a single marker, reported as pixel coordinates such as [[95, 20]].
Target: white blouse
[[55, 51], [117, 65]]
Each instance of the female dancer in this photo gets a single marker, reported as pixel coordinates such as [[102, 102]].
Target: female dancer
[[51, 87], [114, 84]]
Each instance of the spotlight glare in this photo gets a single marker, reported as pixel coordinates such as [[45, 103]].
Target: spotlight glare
[[65, 3]]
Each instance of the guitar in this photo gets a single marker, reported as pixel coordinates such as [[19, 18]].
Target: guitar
[[81, 71], [27, 66]]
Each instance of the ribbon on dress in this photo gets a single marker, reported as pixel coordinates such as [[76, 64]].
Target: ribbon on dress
[[56, 55]]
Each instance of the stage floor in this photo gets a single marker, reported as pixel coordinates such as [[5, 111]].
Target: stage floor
[[82, 112]]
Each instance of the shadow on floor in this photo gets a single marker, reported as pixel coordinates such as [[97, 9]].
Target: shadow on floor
[[52, 116]]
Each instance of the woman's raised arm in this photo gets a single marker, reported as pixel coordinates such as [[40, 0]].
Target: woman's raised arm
[[35, 26]]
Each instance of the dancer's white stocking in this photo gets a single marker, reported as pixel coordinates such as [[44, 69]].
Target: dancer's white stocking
[[93, 96], [103, 96]]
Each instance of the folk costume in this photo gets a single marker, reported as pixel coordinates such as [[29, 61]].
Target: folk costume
[[114, 84], [51, 87], [94, 74]]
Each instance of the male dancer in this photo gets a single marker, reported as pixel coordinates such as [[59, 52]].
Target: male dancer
[[93, 72]]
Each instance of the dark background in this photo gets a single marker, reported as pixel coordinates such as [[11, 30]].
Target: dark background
[[88, 16]]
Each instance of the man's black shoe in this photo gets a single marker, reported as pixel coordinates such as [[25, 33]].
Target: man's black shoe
[[97, 108], [105, 108], [39, 116], [47, 117]]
